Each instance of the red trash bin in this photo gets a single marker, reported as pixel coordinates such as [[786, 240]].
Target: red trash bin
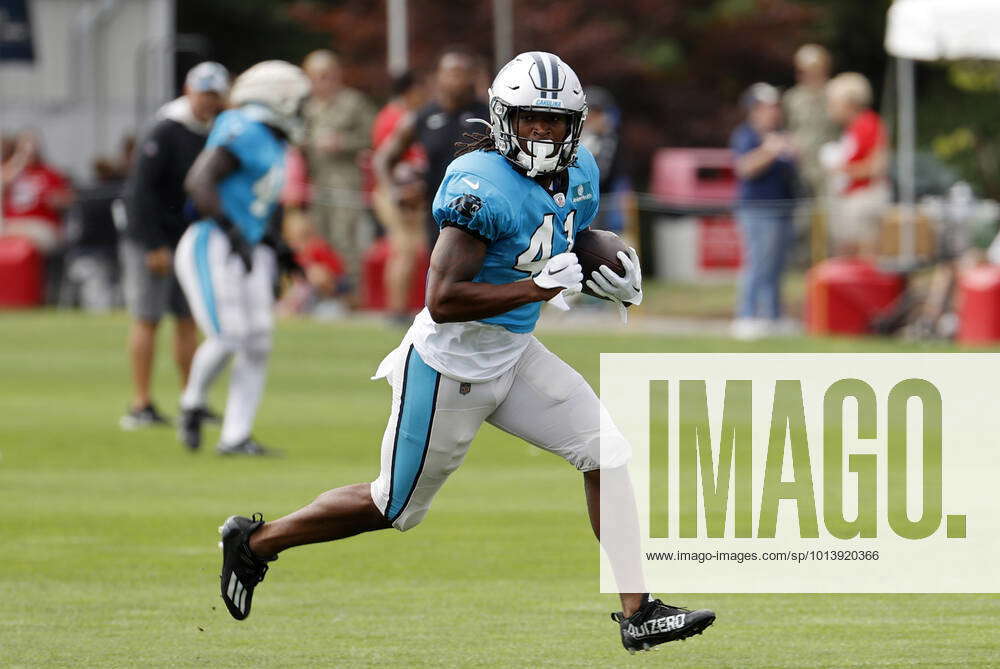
[[694, 179], [845, 294], [979, 305], [373, 270], [720, 246], [21, 273]]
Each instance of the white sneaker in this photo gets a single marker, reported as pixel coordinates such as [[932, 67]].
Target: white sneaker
[[749, 329], [786, 327]]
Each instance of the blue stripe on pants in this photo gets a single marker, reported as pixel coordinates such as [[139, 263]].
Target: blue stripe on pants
[[413, 431], [204, 273]]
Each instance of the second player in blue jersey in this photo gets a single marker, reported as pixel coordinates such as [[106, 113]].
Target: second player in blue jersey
[[227, 262]]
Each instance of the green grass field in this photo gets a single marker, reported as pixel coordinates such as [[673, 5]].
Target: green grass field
[[109, 538]]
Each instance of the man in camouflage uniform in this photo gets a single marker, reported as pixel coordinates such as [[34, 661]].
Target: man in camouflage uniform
[[811, 127], [338, 131]]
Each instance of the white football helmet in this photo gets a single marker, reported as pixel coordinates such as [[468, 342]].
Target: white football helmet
[[537, 81], [274, 91]]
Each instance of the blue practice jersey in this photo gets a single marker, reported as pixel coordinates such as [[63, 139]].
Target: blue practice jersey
[[250, 194], [521, 222]]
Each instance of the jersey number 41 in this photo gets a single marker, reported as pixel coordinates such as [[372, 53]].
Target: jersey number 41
[[539, 250]]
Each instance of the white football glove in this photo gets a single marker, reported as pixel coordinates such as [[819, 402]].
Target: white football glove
[[623, 290], [561, 271]]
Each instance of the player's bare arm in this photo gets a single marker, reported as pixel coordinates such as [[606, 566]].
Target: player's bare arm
[[452, 295], [212, 166]]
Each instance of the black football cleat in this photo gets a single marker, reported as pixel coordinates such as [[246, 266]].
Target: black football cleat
[[248, 446], [189, 426], [242, 569], [655, 623]]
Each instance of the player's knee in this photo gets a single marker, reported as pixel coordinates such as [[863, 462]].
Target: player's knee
[[230, 343], [409, 519], [257, 346], [600, 450]]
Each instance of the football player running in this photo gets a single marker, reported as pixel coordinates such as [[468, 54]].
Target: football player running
[[509, 208], [227, 262]]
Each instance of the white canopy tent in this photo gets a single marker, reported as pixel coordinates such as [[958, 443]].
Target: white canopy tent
[[932, 30], [943, 29]]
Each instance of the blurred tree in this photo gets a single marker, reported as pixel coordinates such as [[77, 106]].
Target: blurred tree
[[855, 34], [241, 33], [676, 67], [957, 120]]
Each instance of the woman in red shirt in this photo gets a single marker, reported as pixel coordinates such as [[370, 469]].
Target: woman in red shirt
[[35, 196], [400, 210], [858, 164]]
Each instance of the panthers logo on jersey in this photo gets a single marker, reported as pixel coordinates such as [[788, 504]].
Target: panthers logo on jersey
[[466, 206]]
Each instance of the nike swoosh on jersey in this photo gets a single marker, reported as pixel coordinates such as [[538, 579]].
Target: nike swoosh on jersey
[[474, 185]]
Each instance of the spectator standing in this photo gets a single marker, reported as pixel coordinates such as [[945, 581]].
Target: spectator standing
[[810, 128], [404, 227], [92, 240], [601, 135], [766, 170], [857, 166], [437, 126], [409, 95], [35, 195], [155, 220], [805, 112], [338, 130]]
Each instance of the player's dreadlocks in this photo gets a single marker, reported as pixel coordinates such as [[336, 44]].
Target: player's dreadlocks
[[476, 141]]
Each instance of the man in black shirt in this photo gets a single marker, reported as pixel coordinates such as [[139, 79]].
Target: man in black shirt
[[155, 220], [438, 126]]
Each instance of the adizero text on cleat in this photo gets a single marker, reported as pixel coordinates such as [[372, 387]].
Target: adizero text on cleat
[[242, 569], [655, 623]]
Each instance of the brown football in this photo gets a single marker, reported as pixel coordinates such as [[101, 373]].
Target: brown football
[[594, 248]]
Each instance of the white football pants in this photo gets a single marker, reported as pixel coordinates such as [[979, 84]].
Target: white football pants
[[233, 309]]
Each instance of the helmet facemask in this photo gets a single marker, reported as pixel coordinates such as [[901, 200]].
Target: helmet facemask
[[536, 156]]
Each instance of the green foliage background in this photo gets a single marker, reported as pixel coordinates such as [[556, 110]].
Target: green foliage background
[[677, 67]]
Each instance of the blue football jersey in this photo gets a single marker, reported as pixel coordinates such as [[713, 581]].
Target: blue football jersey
[[250, 194], [521, 222]]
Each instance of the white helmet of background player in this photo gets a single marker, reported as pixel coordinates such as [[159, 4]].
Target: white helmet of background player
[[273, 92], [536, 81]]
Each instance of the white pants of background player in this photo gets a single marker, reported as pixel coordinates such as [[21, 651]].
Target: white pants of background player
[[434, 418], [233, 310]]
